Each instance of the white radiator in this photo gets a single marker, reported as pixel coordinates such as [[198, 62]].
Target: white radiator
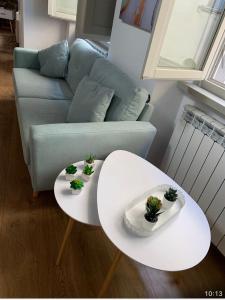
[[195, 159]]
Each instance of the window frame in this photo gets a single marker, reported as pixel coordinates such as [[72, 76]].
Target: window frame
[[60, 15], [209, 83], [151, 69]]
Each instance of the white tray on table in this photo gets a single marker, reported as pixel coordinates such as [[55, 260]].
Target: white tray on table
[[134, 214]]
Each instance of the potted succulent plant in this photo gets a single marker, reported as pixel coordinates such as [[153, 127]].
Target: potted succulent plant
[[153, 206], [169, 199], [87, 172], [76, 185], [90, 160], [70, 172]]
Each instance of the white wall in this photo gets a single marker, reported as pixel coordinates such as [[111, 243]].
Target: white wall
[[38, 30], [128, 49]]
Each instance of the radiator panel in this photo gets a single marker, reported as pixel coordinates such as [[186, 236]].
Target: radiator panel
[[188, 156], [206, 171], [218, 230], [197, 163], [216, 206], [213, 185], [195, 159], [180, 151], [196, 166]]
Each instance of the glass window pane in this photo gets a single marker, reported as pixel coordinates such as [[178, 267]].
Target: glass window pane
[[66, 6], [190, 33]]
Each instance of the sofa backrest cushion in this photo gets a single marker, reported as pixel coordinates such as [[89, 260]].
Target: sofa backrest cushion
[[82, 58], [129, 101]]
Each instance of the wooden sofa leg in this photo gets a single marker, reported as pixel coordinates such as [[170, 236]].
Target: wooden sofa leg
[[35, 195]]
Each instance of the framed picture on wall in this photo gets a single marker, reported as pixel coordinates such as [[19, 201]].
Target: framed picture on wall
[[139, 13]]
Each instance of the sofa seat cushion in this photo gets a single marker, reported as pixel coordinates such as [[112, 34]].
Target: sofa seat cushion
[[128, 101], [34, 111], [82, 58], [29, 83]]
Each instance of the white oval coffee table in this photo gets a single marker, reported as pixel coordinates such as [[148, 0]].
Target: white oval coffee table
[[180, 245], [82, 207]]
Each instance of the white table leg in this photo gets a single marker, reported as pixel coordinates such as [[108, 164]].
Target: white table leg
[[66, 235]]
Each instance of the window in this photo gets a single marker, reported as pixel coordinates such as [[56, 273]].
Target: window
[[186, 38], [63, 9], [215, 80]]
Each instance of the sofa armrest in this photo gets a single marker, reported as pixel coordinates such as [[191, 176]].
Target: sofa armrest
[[26, 58], [54, 146]]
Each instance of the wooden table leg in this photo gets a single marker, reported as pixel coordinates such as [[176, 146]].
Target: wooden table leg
[[66, 235], [110, 274]]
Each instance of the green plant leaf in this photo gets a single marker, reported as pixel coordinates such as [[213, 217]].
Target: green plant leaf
[[71, 169], [90, 159], [171, 195], [77, 184], [153, 206], [88, 170]]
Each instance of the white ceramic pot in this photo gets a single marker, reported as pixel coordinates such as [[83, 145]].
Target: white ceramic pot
[[85, 177], [76, 192], [87, 164], [167, 204], [146, 225], [70, 177]]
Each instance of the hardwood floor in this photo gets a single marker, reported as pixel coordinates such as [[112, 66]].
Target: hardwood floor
[[7, 43], [31, 233]]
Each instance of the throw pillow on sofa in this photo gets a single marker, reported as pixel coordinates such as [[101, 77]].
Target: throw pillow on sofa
[[54, 60], [129, 101], [90, 102]]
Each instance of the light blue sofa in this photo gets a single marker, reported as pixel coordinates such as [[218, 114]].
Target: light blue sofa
[[49, 143]]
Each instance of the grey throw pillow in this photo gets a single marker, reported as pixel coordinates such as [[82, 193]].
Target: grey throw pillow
[[54, 60], [90, 102]]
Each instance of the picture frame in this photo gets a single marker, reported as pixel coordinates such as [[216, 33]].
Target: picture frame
[[139, 13]]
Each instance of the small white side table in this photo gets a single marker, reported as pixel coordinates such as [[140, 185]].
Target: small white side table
[[180, 245], [82, 207]]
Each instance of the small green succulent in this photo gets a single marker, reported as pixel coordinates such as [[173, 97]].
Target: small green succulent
[[90, 159], [171, 195], [153, 207], [88, 170], [76, 184], [71, 169]]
